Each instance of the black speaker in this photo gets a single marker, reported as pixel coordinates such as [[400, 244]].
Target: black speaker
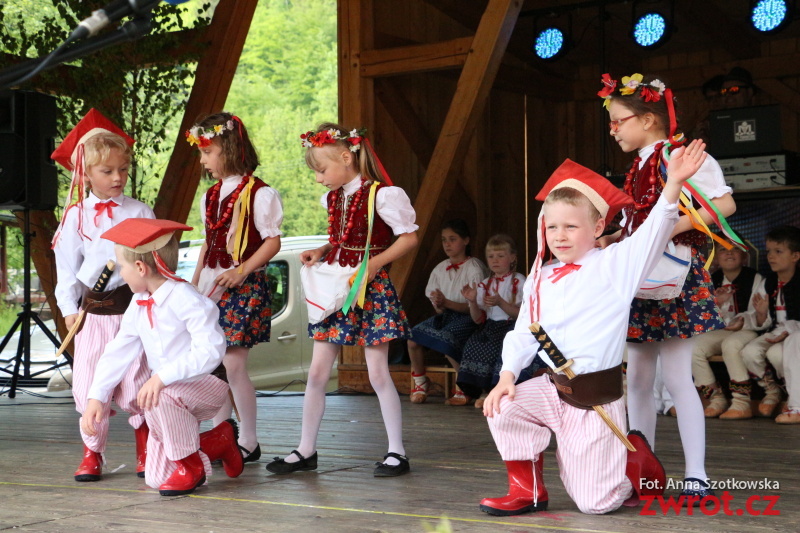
[[28, 177]]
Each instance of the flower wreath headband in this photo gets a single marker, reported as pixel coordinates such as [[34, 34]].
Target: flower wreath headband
[[197, 135], [649, 92], [311, 139]]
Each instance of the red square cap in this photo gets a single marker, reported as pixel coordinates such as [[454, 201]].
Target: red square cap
[[143, 235], [93, 123], [607, 198]]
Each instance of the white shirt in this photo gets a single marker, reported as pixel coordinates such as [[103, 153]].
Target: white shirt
[[505, 289], [586, 312], [79, 259], [450, 282], [185, 342]]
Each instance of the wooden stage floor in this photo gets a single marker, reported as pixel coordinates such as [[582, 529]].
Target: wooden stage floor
[[454, 464]]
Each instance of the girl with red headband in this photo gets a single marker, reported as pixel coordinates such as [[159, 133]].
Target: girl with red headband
[[676, 302], [242, 216], [350, 298]]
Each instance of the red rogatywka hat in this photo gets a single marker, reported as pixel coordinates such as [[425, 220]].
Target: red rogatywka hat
[[146, 235]]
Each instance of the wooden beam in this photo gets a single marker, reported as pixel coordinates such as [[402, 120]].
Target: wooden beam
[[356, 96], [480, 68], [412, 128], [226, 36], [415, 58]]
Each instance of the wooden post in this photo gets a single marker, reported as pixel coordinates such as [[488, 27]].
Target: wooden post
[[225, 39]]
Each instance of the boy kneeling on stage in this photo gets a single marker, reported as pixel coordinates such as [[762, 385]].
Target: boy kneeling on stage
[[582, 302], [178, 329]]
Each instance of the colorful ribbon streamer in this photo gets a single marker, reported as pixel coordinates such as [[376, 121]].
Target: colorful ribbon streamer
[[359, 284]]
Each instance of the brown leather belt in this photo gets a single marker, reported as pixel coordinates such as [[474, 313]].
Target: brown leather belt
[[584, 391], [113, 302]]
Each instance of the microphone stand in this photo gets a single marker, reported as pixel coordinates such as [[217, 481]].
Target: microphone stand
[[129, 31]]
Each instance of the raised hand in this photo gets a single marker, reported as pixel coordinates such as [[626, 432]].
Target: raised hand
[[686, 160]]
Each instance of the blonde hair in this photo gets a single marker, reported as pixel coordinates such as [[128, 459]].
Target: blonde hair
[[168, 254], [97, 148], [501, 241], [575, 198], [364, 157]]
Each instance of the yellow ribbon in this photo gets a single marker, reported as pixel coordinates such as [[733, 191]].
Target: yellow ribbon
[[242, 229]]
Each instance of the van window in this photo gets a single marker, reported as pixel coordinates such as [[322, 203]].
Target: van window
[[278, 277]]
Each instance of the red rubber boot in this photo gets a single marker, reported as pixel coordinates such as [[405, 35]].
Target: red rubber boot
[[221, 443], [141, 433], [91, 468], [189, 475], [526, 490]]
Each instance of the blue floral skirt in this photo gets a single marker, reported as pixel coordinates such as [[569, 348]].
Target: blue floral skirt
[[482, 359], [445, 333], [694, 312], [245, 314], [381, 320]]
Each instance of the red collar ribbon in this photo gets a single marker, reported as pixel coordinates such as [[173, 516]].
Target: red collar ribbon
[[560, 272], [149, 303], [455, 266], [104, 206]]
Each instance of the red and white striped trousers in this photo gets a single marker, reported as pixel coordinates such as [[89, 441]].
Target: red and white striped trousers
[[175, 424], [99, 330], [591, 459]]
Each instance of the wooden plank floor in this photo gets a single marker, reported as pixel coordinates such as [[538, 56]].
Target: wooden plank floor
[[454, 464]]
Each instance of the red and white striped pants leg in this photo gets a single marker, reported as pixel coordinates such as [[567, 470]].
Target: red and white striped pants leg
[[97, 331], [590, 457], [175, 425]]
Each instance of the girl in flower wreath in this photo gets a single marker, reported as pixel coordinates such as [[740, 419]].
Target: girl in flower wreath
[[364, 212], [242, 217], [676, 303]]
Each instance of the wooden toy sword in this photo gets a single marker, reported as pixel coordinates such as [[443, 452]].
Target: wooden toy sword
[[563, 365], [99, 286]]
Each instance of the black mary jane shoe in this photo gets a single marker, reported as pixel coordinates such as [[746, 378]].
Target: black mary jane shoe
[[696, 487], [280, 466], [384, 470], [250, 457]]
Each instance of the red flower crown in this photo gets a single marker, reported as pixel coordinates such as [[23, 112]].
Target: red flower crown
[[649, 92], [321, 138]]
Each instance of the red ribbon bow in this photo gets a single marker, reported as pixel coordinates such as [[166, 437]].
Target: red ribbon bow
[[149, 303], [560, 272], [104, 206], [455, 266]]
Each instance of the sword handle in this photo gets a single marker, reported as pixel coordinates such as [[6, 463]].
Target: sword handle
[[549, 346], [105, 275]]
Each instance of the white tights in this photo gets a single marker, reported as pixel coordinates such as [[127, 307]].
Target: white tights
[[314, 401], [676, 367], [243, 394]]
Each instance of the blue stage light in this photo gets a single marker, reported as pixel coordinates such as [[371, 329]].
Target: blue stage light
[[650, 30], [549, 43], [769, 15]]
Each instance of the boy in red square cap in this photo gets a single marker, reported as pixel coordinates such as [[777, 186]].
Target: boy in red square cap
[[98, 153], [178, 329], [582, 302]]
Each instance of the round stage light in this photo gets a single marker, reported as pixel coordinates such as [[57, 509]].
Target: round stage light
[[650, 30], [769, 15], [549, 43]]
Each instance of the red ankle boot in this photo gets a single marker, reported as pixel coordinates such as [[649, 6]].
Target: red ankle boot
[[189, 475], [141, 433], [221, 443], [644, 470], [526, 491], [91, 468]]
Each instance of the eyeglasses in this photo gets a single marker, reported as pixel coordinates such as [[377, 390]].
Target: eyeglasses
[[615, 124], [736, 89]]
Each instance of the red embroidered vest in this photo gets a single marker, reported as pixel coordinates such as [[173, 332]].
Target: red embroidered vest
[[352, 251], [217, 239], [641, 186]]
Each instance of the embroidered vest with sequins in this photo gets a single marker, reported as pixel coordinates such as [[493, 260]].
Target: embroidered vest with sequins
[[351, 252], [217, 239]]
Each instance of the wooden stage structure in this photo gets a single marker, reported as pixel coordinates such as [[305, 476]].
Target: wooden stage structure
[[453, 459]]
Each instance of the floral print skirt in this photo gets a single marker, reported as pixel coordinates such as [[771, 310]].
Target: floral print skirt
[[692, 313], [245, 314], [381, 320]]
